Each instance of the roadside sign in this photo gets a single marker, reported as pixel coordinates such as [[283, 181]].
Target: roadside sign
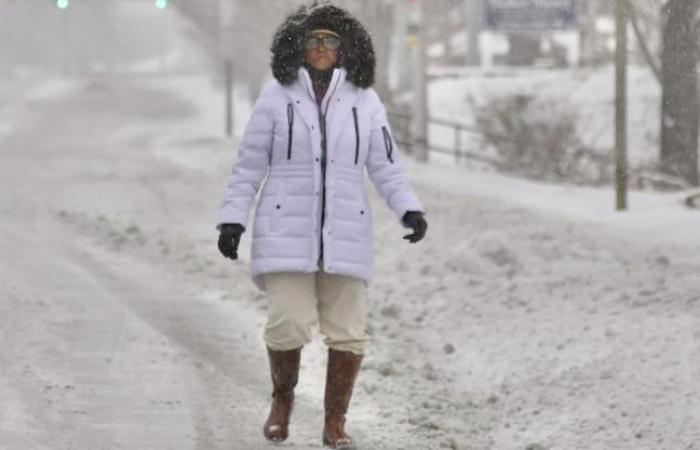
[[529, 15]]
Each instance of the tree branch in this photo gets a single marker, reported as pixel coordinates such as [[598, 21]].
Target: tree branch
[[648, 57]]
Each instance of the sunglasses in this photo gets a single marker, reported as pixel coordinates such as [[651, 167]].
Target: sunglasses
[[330, 42]]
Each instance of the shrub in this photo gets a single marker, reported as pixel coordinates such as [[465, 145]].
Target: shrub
[[538, 139]]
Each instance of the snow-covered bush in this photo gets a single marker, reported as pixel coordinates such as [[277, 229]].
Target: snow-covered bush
[[538, 139]]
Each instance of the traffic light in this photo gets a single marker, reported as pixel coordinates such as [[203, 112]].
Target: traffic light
[[62, 4], [161, 4]]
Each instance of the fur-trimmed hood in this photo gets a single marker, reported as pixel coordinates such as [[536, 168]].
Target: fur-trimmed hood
[[356, 53]]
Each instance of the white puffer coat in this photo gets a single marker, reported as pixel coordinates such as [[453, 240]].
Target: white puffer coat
[[298, 222]]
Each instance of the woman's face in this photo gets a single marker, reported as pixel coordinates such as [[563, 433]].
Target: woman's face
[[319, 56]]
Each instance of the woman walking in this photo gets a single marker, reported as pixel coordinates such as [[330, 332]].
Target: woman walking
[[313, 130]]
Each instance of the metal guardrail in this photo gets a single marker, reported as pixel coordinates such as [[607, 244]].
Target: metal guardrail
[[401, 124]]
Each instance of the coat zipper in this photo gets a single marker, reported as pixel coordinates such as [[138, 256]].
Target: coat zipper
[[322, 121], [357, 134], [388, 144], [290, 119]]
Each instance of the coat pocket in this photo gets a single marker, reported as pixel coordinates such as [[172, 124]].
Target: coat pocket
[[357, 134], [278, 206], [361, 221], [290, 121], [366, 223]]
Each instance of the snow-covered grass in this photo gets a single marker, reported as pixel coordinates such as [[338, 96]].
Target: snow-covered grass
[[647, 212]]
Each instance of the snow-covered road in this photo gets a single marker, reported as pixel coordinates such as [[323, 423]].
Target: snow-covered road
[[103, 349], [509, 327]]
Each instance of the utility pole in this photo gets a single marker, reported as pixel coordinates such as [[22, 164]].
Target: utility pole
[[163, 38], [420, 101], [228, 69], [225, 40], [400, 58], [62, 5], [621, 103], [588, 12], [473, 22]]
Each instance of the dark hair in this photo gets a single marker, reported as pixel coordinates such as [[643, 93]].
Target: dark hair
[[356, 52]]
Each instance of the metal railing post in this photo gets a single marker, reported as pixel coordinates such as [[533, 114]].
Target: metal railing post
[[458, 143]]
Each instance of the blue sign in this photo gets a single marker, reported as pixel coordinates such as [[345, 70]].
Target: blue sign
[[526, 15]]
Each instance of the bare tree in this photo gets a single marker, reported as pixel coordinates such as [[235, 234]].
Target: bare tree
[[645, 18], [679, 102]]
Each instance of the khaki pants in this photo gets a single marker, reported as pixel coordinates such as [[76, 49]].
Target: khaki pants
[[297, 300]]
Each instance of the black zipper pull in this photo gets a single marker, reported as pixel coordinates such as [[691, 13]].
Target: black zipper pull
[[388, 144]]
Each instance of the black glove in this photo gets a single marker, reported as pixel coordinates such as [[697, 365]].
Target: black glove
[[415, 220], [229, 238]]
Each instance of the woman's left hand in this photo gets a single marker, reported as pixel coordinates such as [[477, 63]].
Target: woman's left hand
[[415, 220]]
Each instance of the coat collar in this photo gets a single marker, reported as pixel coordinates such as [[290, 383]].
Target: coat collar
[[337, 103], [335, 85]]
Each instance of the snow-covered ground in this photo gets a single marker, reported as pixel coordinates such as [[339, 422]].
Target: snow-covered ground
[[531, 317]]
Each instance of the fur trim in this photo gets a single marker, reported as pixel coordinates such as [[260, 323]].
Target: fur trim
[[356, 53]]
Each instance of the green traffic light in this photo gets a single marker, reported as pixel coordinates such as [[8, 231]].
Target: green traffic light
[[62, 4], [161, 4]]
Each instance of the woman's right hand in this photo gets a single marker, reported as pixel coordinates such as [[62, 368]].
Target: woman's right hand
[[229, 237]]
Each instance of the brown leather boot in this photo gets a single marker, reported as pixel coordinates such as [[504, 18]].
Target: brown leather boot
[[284, 368], [340, 379]]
